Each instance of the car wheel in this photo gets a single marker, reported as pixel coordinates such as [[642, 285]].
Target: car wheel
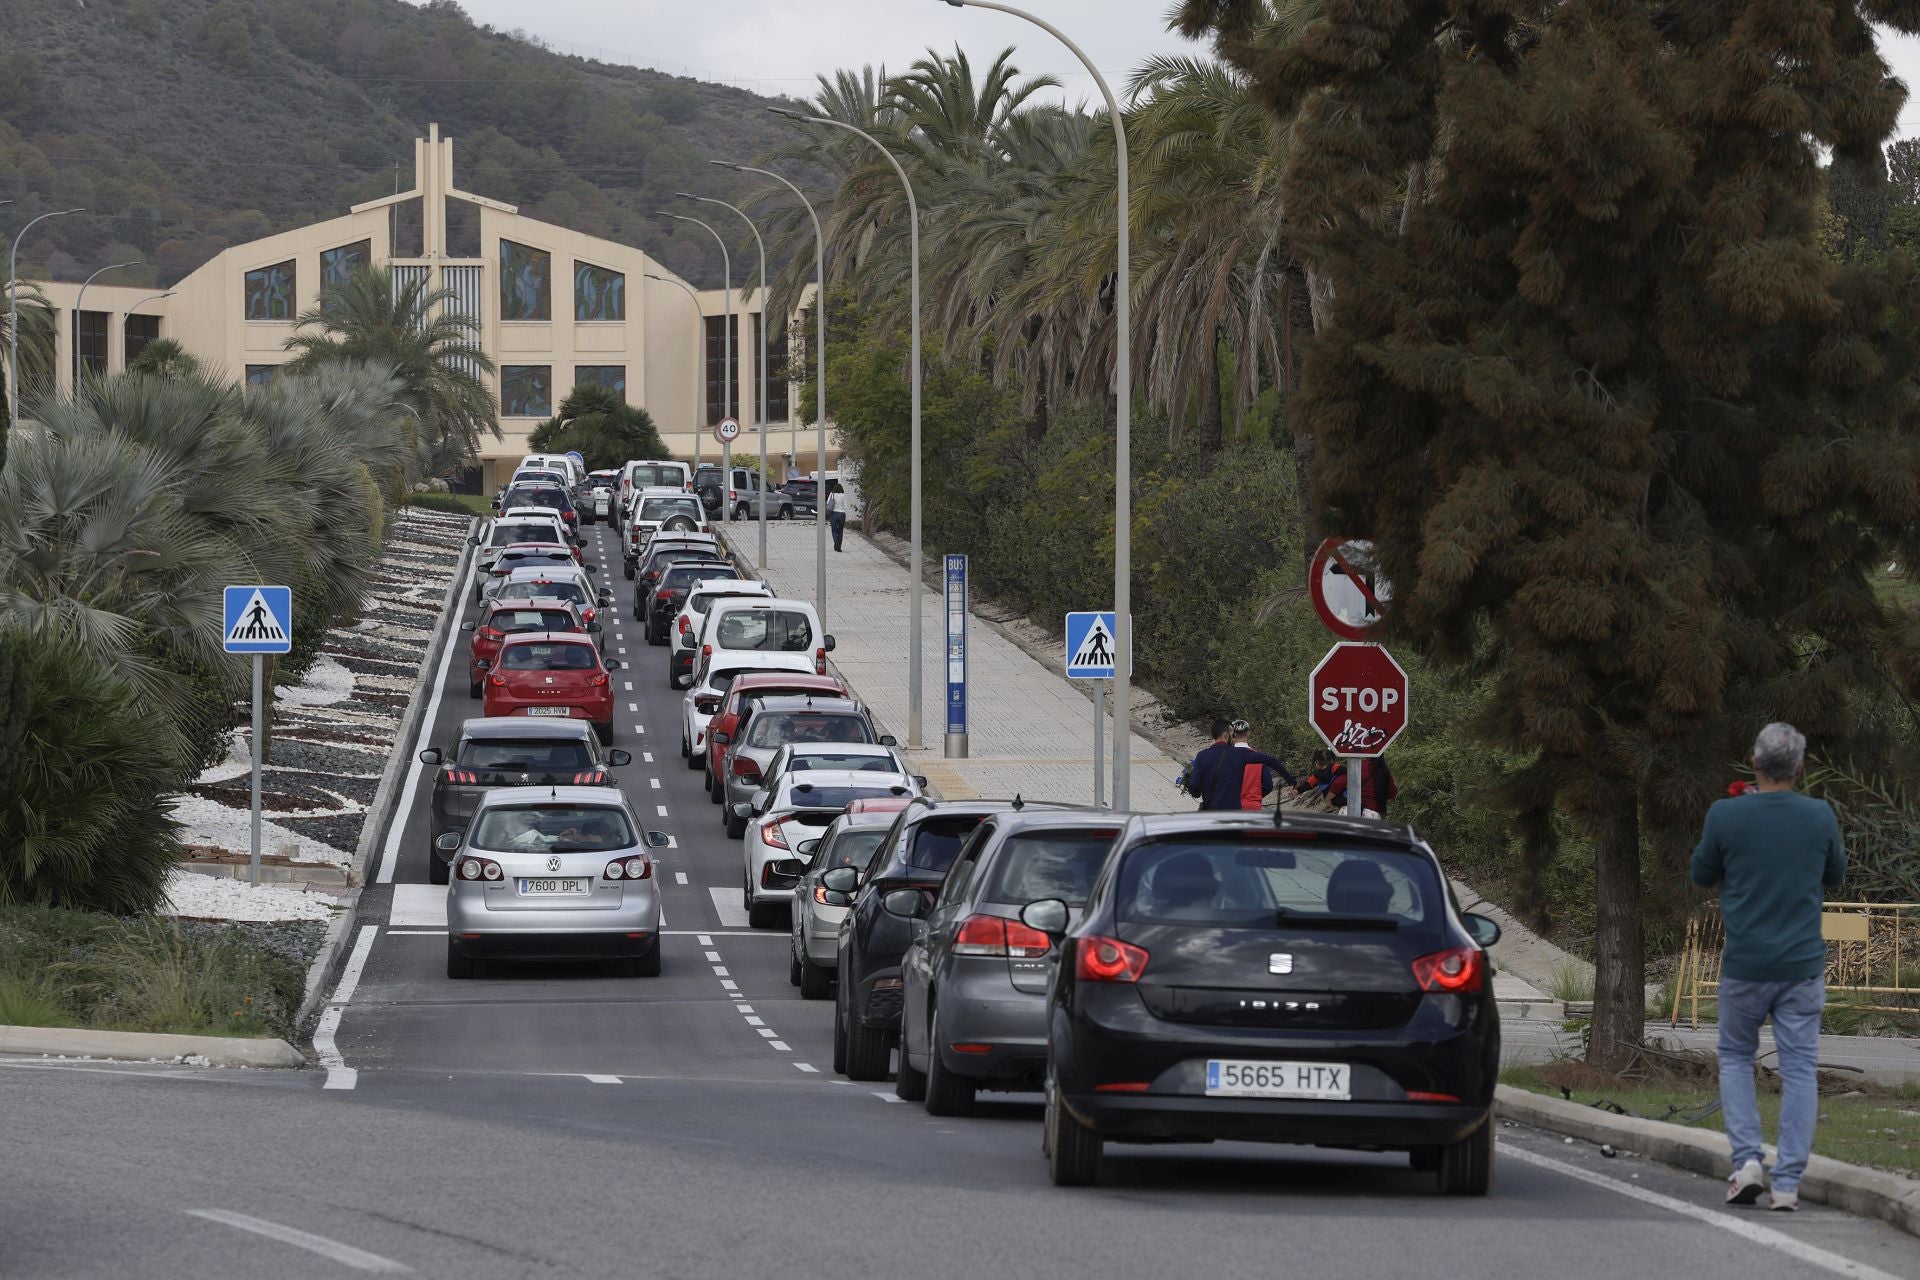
[[740, 512], [648, 965], [1073, 1150], [437, 868], [473, 688], [736, 827], [911, 1084], [764, 915], [627, 568], [714, 788], [839, 1036], [686, 748], [947, 1094], [868, 1051], [696, 759], [816, 980], [793, 965], [1466, 1166], [1424, 1159], [606, 733], [458, 966]]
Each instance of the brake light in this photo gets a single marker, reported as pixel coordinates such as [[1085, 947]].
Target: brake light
[[586, 613], [462, 777], [685, 626], [745, 768], [1456, 971], [1417, 1096], [480, 869], [1098, 959], [489, 633], [590, 778], [820, 662], [599, 679], [994, 936], [639, 867], [770, 833], [498, 682]]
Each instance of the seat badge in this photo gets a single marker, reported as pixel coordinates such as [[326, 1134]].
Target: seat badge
[[1280, 962]]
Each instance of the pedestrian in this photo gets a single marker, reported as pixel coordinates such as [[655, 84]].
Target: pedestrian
[[1241, 777], [1199, 770], [1376, 787], [1770, 853], [793, 472], [836, 518]]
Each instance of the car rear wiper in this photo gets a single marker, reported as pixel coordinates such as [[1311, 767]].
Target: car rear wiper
[[573, 848], [1314, 920]]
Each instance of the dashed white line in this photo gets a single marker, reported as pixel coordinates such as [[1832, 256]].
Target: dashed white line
[[704, 939], [647, 757], [807, 1067], [744, 1008], [628, 684], [603, 1079], [729, 984], [755, 1022], [662, 809], [679, 877], [766, 1032], [781, 1045], [885, 1097], [720, 971], [345, 1254], [713, 957], [622, 648], [654, 783]]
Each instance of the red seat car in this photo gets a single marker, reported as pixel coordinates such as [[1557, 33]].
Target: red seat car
[[502, 618], [552, 673], [727, 719]]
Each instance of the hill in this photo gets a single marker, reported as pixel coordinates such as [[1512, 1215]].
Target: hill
[[185, 126]]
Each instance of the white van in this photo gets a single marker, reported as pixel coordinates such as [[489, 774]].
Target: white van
[[763, 627], [652, 473], [555, 462]]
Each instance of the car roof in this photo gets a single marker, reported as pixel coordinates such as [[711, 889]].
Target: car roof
[[1031, 819], [549, 637], [874, 814], [662, 490], [1372, 830], [539, 572], [731, 587], [816, 778], [527, 602], [584, 797], [787, 601], [787, 703], [828, 685], [841, 748], [523, 727], [982, 808], [528, 513]]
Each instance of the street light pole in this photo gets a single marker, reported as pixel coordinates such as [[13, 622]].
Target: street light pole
[[820, 391], [13, 317], [914, 674], [1123, 418], [699, 317], [726, 371], [761, 491], [80, 310]]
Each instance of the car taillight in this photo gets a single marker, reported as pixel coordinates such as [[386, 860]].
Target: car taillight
[[706, 706], [586, 614], [599, 679], [820, 662], [638, 867], [1098, 959], [995, 936], [1456, 971], [462, 777], [745, 768], [590, 778], [770, 833], [488, 633], [685, 626], [706, 651], [480, 869], [820, 895], [498, 682]]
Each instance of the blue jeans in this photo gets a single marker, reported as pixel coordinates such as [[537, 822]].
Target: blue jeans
[[1795, 1008]]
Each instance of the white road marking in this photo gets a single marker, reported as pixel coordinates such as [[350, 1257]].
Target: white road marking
[[755, 1022], [885, 1097], [603, 1079], [767, 1033], [633, 706], [390, 856], [679, 877], [720, 971], [662, 809], [730, 985], [764, 935], [345, 1254], [808, 1067], [628, 684], [416, 933], [654, 783], [782, 1046], [419, 906], [639, 728], [339, 1074], [713, 957], [726, 905], [1733, 1223], [622, 648], [646, 757]]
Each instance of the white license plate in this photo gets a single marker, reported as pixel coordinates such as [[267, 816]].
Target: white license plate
[[1231, 1079], [549, 711], [530, 888]]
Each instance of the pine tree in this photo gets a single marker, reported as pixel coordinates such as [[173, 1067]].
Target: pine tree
[[1617, 425]]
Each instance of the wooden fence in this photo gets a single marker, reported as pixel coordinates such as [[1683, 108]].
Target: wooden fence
[[1873, 949]]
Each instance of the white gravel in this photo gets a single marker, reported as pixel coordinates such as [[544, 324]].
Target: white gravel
[[325, 683], [219, 898], [208, 822]]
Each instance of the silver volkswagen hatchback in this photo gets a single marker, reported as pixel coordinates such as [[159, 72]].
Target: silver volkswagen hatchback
[[559, 873]]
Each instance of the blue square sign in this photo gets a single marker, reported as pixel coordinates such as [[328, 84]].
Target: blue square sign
[[258, 619], [1090, 646]]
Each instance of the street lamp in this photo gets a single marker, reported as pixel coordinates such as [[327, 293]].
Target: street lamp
[[695, 365], [1123, 414], [820, 390], [913, 488], [726, 372], [13, 317], [761, 491], [79, 310], [152, 297]]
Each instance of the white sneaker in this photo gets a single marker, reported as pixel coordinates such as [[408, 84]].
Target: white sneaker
[[1746, 1184], [1784, 1201]]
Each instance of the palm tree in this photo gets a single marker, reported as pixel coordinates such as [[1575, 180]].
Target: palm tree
[[39, 347], [406, 330], [164, 358]]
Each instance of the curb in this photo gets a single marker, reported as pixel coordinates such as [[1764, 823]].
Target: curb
[[143, 1046], [322, 969], [1868, 1193]]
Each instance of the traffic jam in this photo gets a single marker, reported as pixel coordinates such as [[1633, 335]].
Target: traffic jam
[[1275, 976]]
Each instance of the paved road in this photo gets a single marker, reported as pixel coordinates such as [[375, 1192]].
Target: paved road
[[546, 1121]]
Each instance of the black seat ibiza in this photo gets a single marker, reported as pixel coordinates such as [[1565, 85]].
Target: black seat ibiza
[[1310, 982]]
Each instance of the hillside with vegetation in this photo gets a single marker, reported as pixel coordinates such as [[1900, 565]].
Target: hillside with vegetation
[[186, 126]]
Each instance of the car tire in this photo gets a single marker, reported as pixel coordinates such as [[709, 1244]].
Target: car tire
[[1466, 1166], [946, 1093], [648, 965], [439, 871], [606, 733], [764, 915], [715, 789], [793, 965], [816, 980], [736, 827], [686, 748], [839, 1036], [868, 1052], [1424, 1159], [628, 569], [911, 1084], [1073, 1150], [473, 688], [740, 512], [696, 760], [458, 966]]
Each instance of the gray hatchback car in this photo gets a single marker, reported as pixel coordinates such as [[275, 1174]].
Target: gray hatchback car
[[975, 977], [817, 910]]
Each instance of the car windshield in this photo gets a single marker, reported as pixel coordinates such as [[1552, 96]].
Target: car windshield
[[936, 842], [849, 848], [532, 531], [674, 555], [1263, 884], [864, 761], [529, 755], [559, 656], [777, 728], [538, 496], [552, 828], [684, 575], [658, 477], [778, 630], [652, 509], [805, 796], [511, 620], [1049, 864], [570, 591]]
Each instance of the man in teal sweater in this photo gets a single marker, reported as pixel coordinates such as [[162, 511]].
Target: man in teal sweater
[[1770, 853]]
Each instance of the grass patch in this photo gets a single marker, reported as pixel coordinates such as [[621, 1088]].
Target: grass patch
[[458, 504], [1571, 983], [78, 969], [1859, 1123]]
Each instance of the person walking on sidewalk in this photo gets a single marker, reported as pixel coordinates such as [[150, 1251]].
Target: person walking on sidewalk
[[1769, 853], [836, 517], [1241, 777], [1200, 769]]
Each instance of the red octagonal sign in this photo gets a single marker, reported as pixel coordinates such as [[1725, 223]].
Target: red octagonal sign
[[1357, 699]]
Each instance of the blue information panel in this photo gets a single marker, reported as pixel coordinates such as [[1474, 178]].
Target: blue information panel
[[258, 619], [1090, 646], [956, 644]]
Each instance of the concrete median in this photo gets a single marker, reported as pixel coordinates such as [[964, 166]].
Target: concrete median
[[142, 1046]]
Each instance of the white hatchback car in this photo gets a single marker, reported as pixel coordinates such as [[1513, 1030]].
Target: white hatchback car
[[765, 626], [710, 682], [693, 616], [798, 808]]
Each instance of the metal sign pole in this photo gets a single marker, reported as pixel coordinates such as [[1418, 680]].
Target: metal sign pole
[[259, 732], [1355, 765], [1099, 748]]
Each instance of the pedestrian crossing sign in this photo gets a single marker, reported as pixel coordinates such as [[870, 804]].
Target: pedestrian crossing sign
[[1090, 646], [258, 619]]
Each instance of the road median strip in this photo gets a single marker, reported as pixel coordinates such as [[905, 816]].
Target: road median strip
[[147, 1046]]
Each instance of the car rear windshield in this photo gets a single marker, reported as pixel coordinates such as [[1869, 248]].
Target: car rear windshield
[[684, 575], [778, 728], [833, 798], [536, 755], [538, 496], [553, 828], [653, 509], [849, 849], [1049, 864], [549, 657], [935, 843], [666, 556], [532, 531], [866, 762], [767, 630], [658, 477], [531, 620], [548, 591], [1264, 884]]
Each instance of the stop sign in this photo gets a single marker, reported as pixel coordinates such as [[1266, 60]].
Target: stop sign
[[1357, 699]]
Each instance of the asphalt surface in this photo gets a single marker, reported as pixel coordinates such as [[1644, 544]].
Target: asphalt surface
[[555, 1120]]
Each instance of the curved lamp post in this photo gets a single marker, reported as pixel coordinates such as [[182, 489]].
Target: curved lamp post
[[914, 673], [694, 365], [79, 309], [13, 317], [726, 371]]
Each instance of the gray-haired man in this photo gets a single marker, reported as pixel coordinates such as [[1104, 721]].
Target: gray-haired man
[[1770, 852]]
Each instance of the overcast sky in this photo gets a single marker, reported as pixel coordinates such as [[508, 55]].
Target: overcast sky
[[779, 46]]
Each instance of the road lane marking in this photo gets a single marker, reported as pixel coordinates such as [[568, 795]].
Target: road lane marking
[[755, 1022], [629, 685], [397, 822], [782, 1046], [654, 783], [729, 984], [720, 971], [885, 1097], [622, 648], [1734, 1224], [416, 933], [713, 957], [418, 906], [339, 1074], [765, 935], [662, 808], [679, 877], [706, 940], [647, 757], [808, 1067], [345, 1254], [633, 706], [768, 1034], [744, 1008], [727, 905], [603, 1079]]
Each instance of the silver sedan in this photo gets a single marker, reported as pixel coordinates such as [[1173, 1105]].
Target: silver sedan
[[553, 873], [817, 910]]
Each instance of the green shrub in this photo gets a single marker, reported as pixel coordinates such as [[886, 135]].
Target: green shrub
[[453, 504]]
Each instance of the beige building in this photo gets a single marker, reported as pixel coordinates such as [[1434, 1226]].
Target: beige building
[[554, 308]]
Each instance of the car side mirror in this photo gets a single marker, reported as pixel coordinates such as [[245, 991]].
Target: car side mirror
[[469, 626], [841, 879], [888, 740], [1483, 931], [432, 755], [605, 597], [613, 664], [658, 839], [904, 903], [1049, 916], [723, 738], [686, 640], [473, 541], [920, 780], [485, 664], [683, 682], [594, 628], [828, 646], [619, 756], [807, 846], [742, 809], [591, 567], [447, 841]]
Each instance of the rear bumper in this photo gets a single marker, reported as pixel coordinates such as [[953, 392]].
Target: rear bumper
[[1387, 1125], [986, 1009], [555, 946], [576, 711]]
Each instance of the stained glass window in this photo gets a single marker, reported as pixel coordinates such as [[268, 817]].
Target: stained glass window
[[611, 376], [526, 391], [269, 292], [259, 375], [526, 282], [598, 294], [338, 265]]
